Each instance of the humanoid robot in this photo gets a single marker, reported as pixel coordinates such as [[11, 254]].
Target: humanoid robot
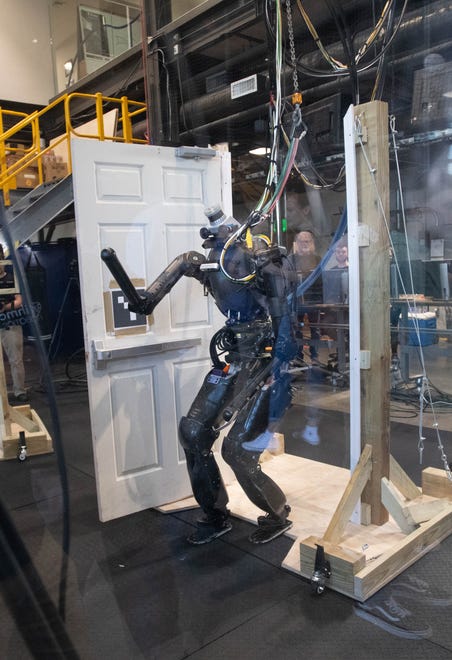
[[248, 386]]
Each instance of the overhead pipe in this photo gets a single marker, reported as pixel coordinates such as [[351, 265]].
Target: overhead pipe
[[209, 108], [314, 93]]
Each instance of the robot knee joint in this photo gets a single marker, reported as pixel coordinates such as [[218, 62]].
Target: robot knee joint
[[194, 437], [189, 432], [236, 457]]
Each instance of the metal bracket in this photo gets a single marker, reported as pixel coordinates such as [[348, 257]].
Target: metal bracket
[[195, 152], [102, 355]]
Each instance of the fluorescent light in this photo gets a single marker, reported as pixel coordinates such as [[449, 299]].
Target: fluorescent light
[[260, 151]]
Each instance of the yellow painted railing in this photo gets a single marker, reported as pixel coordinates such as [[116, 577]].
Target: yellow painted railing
[[15, 159]]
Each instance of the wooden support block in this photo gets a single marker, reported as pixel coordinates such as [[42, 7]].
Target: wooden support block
[[366, 514], [21, 415], [345, 563], [402, 481], [395, 505], [424, 508], [436, 483], [275, 451], [351, 495], [37, 443], [401, 555], [37, 439]]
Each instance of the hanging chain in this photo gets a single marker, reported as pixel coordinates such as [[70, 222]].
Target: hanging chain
[[293, 58]]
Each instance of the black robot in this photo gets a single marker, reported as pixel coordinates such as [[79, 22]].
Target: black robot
[[248, 386]]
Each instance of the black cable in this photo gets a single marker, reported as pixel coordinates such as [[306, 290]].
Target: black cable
[[382, 64], [318, 73], [56, 430], [339, 21]]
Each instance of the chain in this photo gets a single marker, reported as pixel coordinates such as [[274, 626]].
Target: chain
[[293, 58]]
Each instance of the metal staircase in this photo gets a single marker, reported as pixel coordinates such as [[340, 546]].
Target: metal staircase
[[39, 206]]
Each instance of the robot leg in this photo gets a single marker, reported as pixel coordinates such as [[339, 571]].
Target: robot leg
[[197, 436], [258, 486]]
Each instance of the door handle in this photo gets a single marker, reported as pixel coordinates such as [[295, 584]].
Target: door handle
[[103, 355]]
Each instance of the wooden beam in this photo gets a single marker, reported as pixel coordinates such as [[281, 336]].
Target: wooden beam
[[394, 504], [385, 568], [351, 494], [402, 481], [436, 483], [373, 208]]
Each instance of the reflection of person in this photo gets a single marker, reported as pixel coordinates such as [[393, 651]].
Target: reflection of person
[[341, 253], [335, 287], [11, 334], [249, 382], [304, 259]]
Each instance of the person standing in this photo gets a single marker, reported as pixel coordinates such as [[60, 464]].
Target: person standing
[[11, 334], [305, 259]]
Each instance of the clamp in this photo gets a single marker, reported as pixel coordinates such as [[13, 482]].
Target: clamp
[[322, 571]]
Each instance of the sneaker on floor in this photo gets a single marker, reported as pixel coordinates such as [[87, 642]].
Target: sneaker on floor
[[414, 588], [388, 614], [205, 533], [266, 440], [309, 435], [297, 364]]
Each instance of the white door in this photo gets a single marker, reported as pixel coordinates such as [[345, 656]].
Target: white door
[[146, 203]]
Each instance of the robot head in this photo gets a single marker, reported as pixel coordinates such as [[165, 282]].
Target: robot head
[[219, 224]]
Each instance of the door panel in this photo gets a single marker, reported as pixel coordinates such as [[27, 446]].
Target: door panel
[[148, 205]]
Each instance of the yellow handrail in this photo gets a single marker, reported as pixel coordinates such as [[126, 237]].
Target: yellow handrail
[[34, 154]]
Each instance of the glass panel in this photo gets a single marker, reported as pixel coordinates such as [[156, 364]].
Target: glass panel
[[172, 470]]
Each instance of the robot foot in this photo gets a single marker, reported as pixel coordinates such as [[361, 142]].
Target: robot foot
[[268, 529], [205, 533]]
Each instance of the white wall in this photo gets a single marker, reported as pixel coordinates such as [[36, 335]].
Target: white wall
[[26, 73]]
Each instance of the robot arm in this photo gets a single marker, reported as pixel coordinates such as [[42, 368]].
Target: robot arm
[[185, 264]]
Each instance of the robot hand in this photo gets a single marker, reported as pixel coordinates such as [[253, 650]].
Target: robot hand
[[138, 303], [145, 305]]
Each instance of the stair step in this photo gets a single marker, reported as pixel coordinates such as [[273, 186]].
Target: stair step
[[37, 208]]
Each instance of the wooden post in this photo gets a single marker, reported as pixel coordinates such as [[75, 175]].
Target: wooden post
[[373, 206], [5, 418]]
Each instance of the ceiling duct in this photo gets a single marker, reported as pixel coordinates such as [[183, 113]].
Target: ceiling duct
[[208, 111]]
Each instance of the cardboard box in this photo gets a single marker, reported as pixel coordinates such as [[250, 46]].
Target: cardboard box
[[54, 170], [28, 178]]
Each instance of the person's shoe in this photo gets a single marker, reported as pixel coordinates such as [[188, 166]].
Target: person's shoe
[[416, 589], [297, 365], [207, 532], [20, 398], [309, 434], [266, 440], [269, 527], [388, 614]]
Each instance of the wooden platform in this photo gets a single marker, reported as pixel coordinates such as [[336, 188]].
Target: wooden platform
[[367, 556]]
